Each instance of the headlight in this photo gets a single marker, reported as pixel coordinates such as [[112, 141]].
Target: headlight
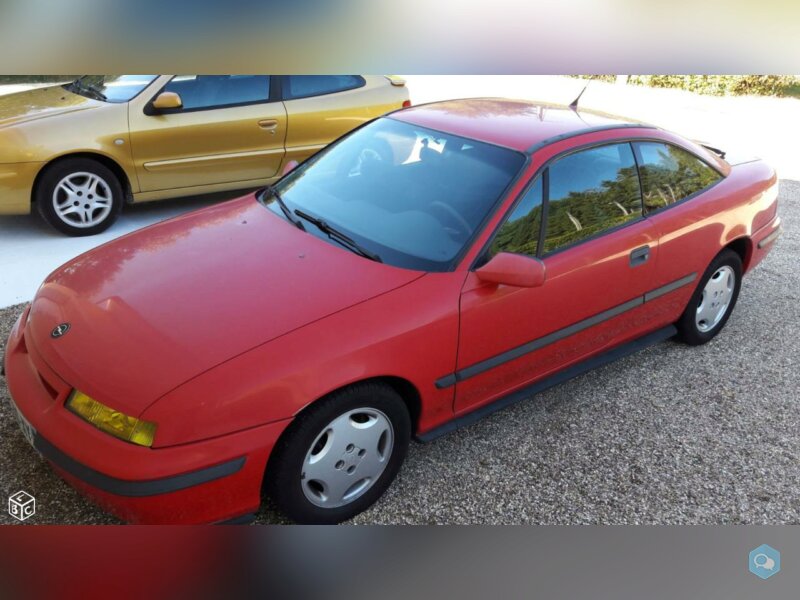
[[112, 421]]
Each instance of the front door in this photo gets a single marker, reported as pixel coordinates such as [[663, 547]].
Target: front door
[[228, 130], [599, 254]]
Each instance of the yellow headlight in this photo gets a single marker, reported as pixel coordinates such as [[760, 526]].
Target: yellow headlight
[[112, 421]]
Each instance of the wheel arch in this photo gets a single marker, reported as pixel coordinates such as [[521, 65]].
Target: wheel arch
[[407, 391], [103, 159], [410, 395], [743, 246]]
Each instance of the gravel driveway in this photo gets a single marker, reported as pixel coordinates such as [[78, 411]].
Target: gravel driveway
[[670, 435]]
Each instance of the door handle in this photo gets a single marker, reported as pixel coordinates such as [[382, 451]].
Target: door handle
[[269, 124], [639, 256]]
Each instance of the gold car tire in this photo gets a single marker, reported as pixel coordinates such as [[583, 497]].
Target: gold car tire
[[79, 196]]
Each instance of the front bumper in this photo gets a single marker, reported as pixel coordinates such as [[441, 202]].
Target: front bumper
[[16, 183], [203, 482]]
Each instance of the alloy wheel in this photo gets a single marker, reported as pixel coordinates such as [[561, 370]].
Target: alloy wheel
[[82, 199]]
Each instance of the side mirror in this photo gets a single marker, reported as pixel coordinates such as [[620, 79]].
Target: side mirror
[[513, 269], [289, 167], [166, 100]]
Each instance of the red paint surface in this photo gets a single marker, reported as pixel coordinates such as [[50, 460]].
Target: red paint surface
[[223, 324]]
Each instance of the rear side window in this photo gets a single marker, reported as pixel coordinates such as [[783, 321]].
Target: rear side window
[[303, 86], [589, 192], [670, 174], [215, 91], [520, 233]]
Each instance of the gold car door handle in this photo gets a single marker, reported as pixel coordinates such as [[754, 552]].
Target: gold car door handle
[[269, 124]]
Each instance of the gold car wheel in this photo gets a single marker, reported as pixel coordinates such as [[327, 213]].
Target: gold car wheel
[[82, 199]]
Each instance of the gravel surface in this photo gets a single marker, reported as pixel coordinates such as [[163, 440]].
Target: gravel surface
[[671, 435]]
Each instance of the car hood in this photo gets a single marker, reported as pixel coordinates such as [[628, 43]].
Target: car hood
[[157, 307], [40, 104]]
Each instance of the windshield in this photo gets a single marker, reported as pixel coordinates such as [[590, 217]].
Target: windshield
[[110, 88], [409, 195]]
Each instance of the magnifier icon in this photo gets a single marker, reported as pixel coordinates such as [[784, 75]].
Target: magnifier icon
[[762, 561]]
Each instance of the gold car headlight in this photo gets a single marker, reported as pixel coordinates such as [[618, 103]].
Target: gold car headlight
[[129, 429]]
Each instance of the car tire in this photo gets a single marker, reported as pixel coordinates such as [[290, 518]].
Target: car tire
[[79, 196], [713, 301], [340, 455]]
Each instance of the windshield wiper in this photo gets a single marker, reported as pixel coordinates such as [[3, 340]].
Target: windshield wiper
[[286, 210], [96, 91], [74, 85], [337, 235], [85, 89]]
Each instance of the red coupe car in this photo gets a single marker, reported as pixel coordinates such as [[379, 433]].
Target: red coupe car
[[425, 270]]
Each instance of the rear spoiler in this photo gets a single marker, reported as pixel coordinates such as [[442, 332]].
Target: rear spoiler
[[736, 157], [717, 151], [396, 80]]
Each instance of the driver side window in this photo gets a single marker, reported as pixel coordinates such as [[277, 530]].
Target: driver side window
[[520, 232], [215, 91]]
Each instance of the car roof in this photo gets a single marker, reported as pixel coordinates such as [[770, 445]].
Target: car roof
[[518, 124]]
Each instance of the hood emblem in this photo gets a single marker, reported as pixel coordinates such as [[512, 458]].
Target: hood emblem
[[59, 330]]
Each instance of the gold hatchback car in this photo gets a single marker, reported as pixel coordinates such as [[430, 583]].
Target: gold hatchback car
[[80, 151]]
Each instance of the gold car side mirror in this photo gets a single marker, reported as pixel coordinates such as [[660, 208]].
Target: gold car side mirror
[[167, 100]]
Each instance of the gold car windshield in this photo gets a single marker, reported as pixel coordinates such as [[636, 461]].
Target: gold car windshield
[[413, 196], [110, 88]]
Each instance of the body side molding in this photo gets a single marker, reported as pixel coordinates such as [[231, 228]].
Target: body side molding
[[560, 334], [564, 375]]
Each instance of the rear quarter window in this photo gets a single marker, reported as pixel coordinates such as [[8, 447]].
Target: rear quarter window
[[304, 86], [670, 174]]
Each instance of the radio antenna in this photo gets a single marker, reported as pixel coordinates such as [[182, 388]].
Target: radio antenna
[[574, 104]]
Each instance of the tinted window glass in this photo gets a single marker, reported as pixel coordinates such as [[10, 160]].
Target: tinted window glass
[[412, 195], [209, 91], [520, 233], [591, 191], [670, 174], [302, 86]]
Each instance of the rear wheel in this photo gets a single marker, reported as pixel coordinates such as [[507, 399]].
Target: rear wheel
[[340, 455], [79, 196], [713, 300]]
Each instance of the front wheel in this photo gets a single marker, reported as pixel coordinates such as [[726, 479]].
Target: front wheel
[[713, 300], [79, 196], [340, 456]]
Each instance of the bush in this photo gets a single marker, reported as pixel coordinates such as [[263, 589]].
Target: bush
[[716, 85], [720, 85], [606, 78]]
